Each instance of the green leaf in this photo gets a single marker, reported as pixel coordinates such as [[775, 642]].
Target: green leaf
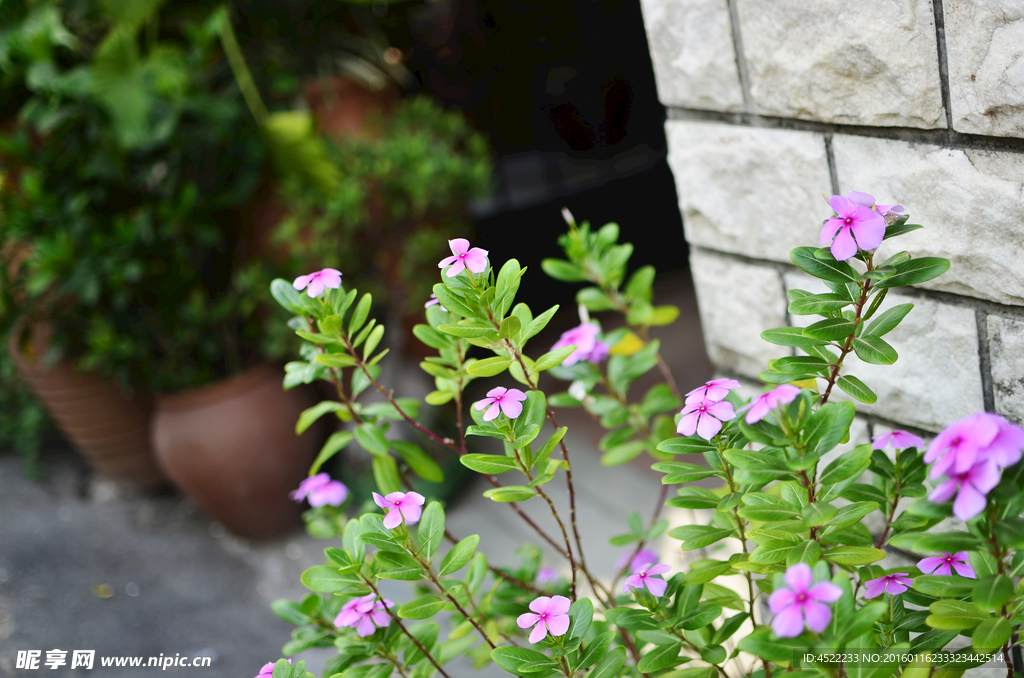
[[490, 464], [888, 320], [510, 328], [372, 341], [702, 616], [853, 463], [609, 665], [955, 615], [817, 514], [790, 336], [661, 657], [874, 350], [621, 454], [582, 614], [765, 507], [848, 515], [511, 658], [942, 586], [460, 554], [897, 229], [286, 295], [703, 571], [692, 445], [335, 359], [489, 367], [469, 329], [916, 271], [335, 443], [825, 269], [385, 474], [360, 313], [946, 542], [694, 498], [451, 302], [310, 415], [510, 493], [432, 338], [594, 299], [698, 536], [418, 460], [562, 270], [596, 648], [993, 591], [830, 329], [853, 555], [431, 528], [991, 634], [421, 608], [371, 439], [818, 304], [552, 359], [326, 579], [681, 472], [856, 388], [543, 453]]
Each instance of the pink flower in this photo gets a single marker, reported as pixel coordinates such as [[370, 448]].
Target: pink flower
[[400, 505], [971, 489], [268, 670], [645, 576], [508, 400], [802, 603], [588, 347], [945, 563], [705, 418], [551, 615], [434, 300], [857, 227], [868, 201], [320, 490], [364, 614], [314, 283], [895, 584], [979, 437], [547, 575], [764, 403], [642, 557], [463, 257], [900, 440], [716, 390]]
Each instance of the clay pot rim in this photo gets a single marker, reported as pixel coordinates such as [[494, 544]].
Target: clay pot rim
[[218, 391]]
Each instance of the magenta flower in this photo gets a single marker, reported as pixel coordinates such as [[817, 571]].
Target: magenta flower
[[642, 557], [320, 490], [645, 576], [314, 283], [857, 227], [705, 418], [945, 563], [716, 390], [802, 603], [971, 489], [868, 200], [268, 670], [434, 300], [764, 403], [549, 614], [588, 346], [891, 583], [400, 505], [508, 400], [900, 440], [979, 437], [547, 575], [364, 614], [463, 257]]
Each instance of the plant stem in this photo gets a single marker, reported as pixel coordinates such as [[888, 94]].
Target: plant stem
[[450, 597], [847, 345], [642, 542], [404, 630]]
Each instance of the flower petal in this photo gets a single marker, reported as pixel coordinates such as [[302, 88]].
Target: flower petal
[[780, 600], [829, 230], [315, 288], [558, 624], [722, 410], [455, 269], [540, 604], [688, 424], [929, 565], [656, 586], [817, 615], [492, 412], [301, 282], [415, 498], [865, 199], [476, 260], [969, 502], [458, 246], [511, 408], [381, 501], [481, 404], [874, 588], [844, 246], [559, 605], [527, 619], [515, 394], [868, 227], [539, 632], [799, 577], [447, 261], [393, 519], [411, 513], [964, 570], [789, 623], [708, 426], [825, 592], [497, 391]]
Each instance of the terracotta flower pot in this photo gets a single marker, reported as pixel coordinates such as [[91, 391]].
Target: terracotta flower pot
[[108, 429], [231, 447]]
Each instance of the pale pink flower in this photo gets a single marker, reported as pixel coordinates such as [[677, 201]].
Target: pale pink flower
[[642, 557], [900, 440], [588, 346], [946, 563], [802, 603], [980, 437], [645, 576], [400, 505], [508, 400], [971, 489], [320, 490], [549, 614], [856, 226], [895, 584], [314, 283], [268, 670], [463, 257], [547, 575], [766, 402], [364, 614], [432, 301], [868, 201], [716, 389], [704, 418]]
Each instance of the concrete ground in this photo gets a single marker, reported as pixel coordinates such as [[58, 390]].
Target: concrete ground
[[87, 565]]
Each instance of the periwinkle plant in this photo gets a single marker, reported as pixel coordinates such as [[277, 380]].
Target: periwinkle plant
[[810, 584]]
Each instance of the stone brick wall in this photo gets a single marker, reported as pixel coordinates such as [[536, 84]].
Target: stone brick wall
[[772, 103]]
